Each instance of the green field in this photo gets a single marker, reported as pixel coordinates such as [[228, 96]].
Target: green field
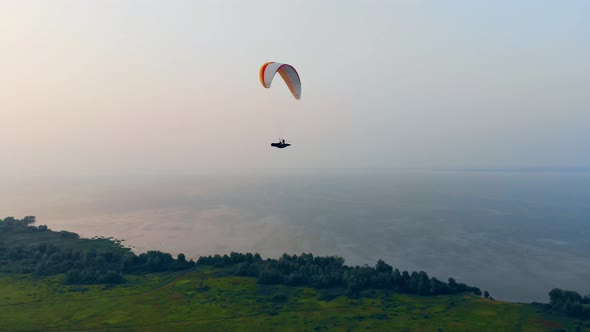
[[205, 300]]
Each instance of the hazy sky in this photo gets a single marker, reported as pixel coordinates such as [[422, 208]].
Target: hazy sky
[[103, 87]]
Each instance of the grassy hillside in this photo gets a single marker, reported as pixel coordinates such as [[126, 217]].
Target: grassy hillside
[[206, 300], [239, 292]]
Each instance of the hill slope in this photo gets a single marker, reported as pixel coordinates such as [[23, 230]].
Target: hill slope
[[204, 299]]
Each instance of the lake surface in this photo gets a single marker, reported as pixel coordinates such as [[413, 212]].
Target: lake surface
[[515, 234]]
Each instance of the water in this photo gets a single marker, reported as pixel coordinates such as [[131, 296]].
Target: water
[[515, 234]]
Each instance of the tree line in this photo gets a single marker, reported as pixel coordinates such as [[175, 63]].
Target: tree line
[[330, 272], [84, 261], [570, 303]]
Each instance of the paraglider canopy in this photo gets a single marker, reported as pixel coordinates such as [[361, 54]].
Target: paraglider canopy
[[287, 72]]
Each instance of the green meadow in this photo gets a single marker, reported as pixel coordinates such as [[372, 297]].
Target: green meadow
[[206, 299]]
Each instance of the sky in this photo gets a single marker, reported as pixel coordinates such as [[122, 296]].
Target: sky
[[143, 87]]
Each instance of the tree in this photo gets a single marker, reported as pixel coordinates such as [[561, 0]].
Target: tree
[[452, 283], [423, 284], [28, 220], [73, 277], [486, 294], [556, 298], [383, 267], [181, 258]]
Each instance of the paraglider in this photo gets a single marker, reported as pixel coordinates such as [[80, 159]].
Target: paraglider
[[291, 78]]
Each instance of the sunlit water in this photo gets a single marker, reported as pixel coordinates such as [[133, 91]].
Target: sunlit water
[[515, 234]]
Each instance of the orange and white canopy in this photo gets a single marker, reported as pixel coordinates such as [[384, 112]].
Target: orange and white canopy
[[287, 72]]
